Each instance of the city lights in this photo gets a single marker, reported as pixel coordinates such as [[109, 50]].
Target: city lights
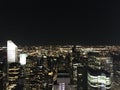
[[60, 67]]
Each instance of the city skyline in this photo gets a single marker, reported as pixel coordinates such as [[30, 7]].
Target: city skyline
[[63, 67]]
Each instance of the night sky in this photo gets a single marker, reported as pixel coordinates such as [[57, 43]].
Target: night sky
[[48, 22]]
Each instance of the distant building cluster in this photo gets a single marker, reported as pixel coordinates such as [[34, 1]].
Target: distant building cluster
[[46, 67]]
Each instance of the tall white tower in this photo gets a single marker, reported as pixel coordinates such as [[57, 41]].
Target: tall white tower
[[11, 52]]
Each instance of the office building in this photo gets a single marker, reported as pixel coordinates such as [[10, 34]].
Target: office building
[[23, 58], [82, 78], [99, 70], [3, 70], [13, 74], [11, 52], [99, 79]]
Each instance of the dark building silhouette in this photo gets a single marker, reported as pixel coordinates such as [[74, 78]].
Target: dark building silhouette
[[3, 70], [82, 78]]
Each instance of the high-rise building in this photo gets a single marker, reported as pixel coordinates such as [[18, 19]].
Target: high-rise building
[[13, 74], [3, 70], [23, 58], [82, 78], [99, 79], [2, 76], [11, 52], [99, 70]]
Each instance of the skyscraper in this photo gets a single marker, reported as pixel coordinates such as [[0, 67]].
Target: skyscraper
[[23, 58], [99, 70], [11, 52], [82, 78]]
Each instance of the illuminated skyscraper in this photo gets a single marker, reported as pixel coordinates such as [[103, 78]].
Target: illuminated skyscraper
[[23, 58], [11, 52], [99, 71]]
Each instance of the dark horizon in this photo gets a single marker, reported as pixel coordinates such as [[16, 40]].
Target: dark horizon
[[87, 22], [61, 42]]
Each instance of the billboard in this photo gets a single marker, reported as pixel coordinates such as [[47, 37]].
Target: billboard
[[11, 52]]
